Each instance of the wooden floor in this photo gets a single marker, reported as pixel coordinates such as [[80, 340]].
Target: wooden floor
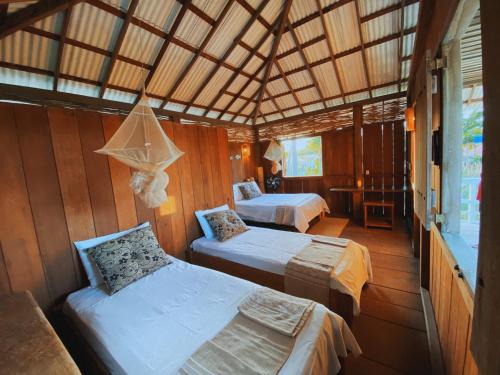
[[391, 327]]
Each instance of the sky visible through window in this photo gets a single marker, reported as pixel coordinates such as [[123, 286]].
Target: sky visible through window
[[302, 157]]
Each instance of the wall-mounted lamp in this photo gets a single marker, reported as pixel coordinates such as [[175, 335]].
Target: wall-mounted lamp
[[410, 119], [245, 150]]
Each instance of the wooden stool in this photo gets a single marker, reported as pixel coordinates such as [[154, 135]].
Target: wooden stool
[[376, 221]]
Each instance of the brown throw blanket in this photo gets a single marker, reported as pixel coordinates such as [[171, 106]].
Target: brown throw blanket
[[258, 340], [307, 274]]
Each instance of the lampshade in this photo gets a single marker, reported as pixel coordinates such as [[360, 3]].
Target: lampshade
[[410, 119]]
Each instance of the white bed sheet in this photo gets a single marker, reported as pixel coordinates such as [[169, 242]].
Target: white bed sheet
[[155, 324], [263, 209], [270, 250]]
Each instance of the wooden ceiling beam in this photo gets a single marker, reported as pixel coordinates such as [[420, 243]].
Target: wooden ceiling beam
[[3, 12], [187, 69], [330, 50], [60, 49], [387, 10], [363, 52], [272, 55], [233, 45], [118, 45], [27, 16], [401, 43], [309, 43], [308, 66], [166, 43]]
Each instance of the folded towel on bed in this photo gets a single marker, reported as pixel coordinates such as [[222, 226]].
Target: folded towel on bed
[[335, 241], [276, 310], [258, 340]]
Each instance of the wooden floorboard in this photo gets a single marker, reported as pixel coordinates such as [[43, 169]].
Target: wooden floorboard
[[391, 328]]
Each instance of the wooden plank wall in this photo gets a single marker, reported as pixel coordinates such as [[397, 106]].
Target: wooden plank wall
[[244, 167], [55, 190], [452, 302], [338, 170]]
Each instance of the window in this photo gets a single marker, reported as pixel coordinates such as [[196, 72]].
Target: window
[[302, 157]]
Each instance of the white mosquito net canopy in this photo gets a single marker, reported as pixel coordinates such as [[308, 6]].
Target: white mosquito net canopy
[[274, 153], [141, 143]]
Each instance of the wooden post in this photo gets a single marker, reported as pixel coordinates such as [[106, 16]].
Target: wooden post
[[486, 324], [357, 198]]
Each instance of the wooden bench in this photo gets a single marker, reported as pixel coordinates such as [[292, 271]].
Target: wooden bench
[[381, 222]]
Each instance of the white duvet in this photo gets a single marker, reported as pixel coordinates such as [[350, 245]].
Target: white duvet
[[263, 208], [154, 325], [270, 250]]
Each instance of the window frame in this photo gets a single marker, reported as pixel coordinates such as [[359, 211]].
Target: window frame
[[321, 153]]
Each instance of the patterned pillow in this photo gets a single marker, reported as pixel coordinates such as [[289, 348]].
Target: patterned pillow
[[128, 258], [249, 191], [225, 224]]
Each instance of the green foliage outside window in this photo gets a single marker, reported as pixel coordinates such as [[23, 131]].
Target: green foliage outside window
[[302, 157]]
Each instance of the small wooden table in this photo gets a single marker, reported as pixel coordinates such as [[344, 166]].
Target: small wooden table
[[380, 222]]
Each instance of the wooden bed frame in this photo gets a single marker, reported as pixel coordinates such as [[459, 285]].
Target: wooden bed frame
[[340, 303]]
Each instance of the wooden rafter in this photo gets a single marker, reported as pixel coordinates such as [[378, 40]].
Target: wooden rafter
[[242, 66], [401, 43], [272, 55], [289, 85], [307, 65], [18, 20], [60, 50], [209, 36], [330, 50], [3, 12], [387, 10], [166, 43], [233, 45], [363, 52], [118, 45]]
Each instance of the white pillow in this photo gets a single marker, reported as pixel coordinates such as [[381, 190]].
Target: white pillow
[[89, 265], [256, 186], [200, 215]]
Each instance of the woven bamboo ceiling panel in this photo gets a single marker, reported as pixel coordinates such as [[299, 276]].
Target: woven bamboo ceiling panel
[[242, 61], [384, 111]]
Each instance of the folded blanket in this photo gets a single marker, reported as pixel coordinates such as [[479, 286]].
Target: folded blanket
[[278, 311], [258, 340], [307, 274], [285, 215]]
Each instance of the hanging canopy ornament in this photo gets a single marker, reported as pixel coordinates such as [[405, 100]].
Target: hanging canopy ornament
[[274, 153], [141, 143]]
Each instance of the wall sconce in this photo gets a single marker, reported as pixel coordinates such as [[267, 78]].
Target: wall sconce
[[410, 119], [245, 150], [235, 157]]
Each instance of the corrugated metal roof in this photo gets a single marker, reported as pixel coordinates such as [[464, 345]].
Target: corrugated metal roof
[[198, 73], [141, 45], [352, 73], [327, 79], [472, 54], [97, 31], [342, 28], [381, 60], [173, 63], [93, 26], [82, 63], [124, 97]]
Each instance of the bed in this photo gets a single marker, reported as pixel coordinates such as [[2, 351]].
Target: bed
[[299, 209], [261, 255], [155, 324]]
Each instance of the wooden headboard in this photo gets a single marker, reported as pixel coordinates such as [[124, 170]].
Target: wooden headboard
[[55, 190]]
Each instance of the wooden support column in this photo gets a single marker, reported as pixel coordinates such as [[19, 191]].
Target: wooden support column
[[425, 257], [486, 324], [357, 198]]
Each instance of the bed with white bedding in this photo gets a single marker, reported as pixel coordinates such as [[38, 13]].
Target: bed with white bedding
[[155, 324], [264, 208], [270, 250]]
